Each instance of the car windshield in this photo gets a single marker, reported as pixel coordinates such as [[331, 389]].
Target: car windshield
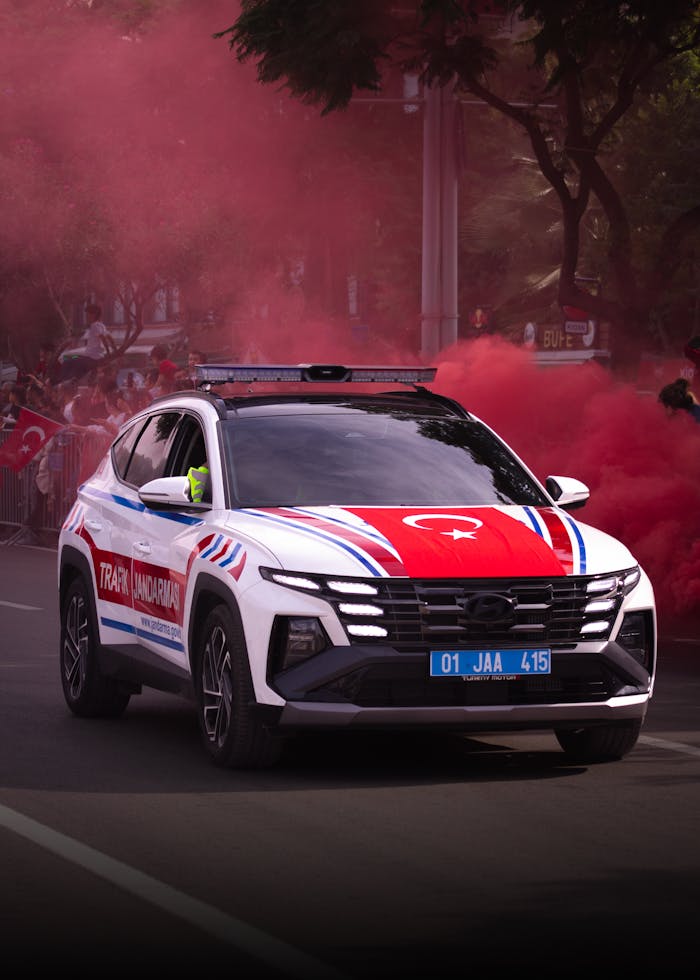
[[371, 457]]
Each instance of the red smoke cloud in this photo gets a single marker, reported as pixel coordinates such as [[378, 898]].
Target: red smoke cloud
[[162, 153], [642, 466]]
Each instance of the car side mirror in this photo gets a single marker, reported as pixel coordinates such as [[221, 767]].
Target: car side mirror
[[168, 491], [567, 492]]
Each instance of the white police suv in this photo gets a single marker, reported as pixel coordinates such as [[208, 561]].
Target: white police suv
[[328, 558]]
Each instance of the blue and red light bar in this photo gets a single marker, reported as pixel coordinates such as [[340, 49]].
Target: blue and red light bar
[[218, 374]]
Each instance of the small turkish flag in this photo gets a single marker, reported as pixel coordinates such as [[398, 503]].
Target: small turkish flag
[[574, 313], [31, 432]]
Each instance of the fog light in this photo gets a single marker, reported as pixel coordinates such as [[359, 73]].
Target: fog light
[[295, 639], [636, 637]]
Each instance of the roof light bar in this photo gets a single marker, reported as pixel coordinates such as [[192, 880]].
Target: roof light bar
[[217, 374]]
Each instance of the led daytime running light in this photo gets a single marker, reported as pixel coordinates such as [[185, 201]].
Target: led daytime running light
[[598, 626], [359, 609], [352, 588], [599, 606], [603, 585], [295, 581], [366, 630]]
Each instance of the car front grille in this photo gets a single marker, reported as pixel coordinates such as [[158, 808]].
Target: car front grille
[[405, 619], [435, 614]]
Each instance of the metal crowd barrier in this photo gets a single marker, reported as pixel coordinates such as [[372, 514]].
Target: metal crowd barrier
[[69, 457]]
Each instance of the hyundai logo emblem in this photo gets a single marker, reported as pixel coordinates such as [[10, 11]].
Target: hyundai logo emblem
[[489, 608]]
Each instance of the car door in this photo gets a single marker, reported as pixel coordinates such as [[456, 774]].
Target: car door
[[162, 549], [108, 523], [131, 534]]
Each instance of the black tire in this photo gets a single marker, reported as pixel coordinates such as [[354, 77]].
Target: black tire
[[233, 734], [599, 743], [88, 693]]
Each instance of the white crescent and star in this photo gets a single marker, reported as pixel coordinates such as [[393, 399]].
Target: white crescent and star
[[24, 448], [455, 533]]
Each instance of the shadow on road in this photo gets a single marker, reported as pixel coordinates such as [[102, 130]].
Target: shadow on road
[[156, 748]]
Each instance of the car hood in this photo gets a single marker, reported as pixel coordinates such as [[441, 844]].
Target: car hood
[[432, 542]]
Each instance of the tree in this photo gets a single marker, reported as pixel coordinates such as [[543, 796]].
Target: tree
[[107, 181], [47, 245], [588, 64], [127, 167], [658, 154]]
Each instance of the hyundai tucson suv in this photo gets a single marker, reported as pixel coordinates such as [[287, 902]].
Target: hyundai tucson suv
[[298, 549]]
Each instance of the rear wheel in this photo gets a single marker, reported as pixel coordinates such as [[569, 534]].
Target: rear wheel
[[599, 743], [88, 692], [233, 734]]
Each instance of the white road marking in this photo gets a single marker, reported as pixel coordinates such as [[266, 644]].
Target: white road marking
[[20, 605], [664, 743], [211, 920]]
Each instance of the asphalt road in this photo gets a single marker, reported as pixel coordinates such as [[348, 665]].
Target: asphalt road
[[123, 848]]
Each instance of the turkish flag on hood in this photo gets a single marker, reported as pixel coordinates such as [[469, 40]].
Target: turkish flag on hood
[[31, 432]]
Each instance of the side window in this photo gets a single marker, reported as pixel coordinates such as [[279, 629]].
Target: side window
[[123, 448], [190, 451], [150, 455]]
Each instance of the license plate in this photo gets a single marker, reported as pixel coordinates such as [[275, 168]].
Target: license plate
[[489, 663]]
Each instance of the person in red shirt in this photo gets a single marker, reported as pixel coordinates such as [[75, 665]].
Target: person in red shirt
[[479, 323], [167, 371]]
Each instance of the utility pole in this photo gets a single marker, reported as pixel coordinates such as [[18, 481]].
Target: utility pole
[[439, 299], [439, 276]]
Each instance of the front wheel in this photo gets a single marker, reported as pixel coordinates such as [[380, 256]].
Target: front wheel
[[233, 734], [87, 691], [599, 743]]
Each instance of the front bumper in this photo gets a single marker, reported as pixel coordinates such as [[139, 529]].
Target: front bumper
[[308, 716], [370, 686]]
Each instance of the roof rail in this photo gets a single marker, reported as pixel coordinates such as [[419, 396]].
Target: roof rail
[[212, 397], [217, 374]]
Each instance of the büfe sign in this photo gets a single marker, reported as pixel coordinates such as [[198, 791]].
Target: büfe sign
[[570, 335]]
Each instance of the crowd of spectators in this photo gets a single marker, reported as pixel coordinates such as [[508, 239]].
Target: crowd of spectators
[[102, 398], [90, 408]]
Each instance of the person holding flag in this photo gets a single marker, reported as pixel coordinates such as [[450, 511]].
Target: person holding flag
[[18, 398], [29, 436]]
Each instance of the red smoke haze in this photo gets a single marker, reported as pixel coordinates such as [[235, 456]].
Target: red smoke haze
[[169, 140], [642, 467], [164, 153]]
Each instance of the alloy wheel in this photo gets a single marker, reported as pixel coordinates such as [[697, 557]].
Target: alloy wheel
[[217, 689], [75, 646]]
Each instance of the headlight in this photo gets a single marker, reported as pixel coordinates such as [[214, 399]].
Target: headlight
[[292, 581], [604, 595], [314, 583], [350, 597]]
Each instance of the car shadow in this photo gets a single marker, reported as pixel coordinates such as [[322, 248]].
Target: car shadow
[[156, 747]]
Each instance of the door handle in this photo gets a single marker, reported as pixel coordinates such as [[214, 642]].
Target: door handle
[[143, 547], [93, 525]]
